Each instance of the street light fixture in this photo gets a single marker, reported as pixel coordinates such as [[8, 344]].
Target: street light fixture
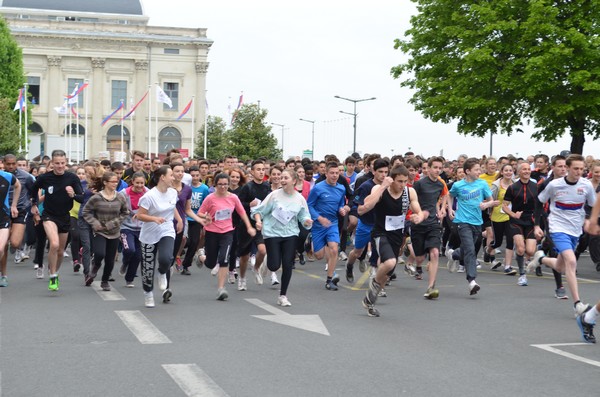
[[355, 101], [282, 127], [312, 146]]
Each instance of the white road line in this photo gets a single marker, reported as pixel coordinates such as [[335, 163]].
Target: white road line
[[193, 381], [267, 307], [142, 328], [112, 295], [551, 349]]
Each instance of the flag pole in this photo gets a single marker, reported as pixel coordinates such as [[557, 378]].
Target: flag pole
[[77, 128], [20, 123], [26, 122], [205, 122], [131, 142], [193, 131], [85, 132], [150, 121], [122, 127], [156, 123]]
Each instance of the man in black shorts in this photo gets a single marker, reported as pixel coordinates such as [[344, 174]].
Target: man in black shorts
[[60, 189]]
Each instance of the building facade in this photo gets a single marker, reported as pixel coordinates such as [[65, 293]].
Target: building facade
[[110, 47]]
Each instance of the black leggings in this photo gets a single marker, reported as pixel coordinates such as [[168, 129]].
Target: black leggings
[[302, 238], [193, 240], [502, 229], [280, 253], [105, 249], [218, 248], [164, 250]]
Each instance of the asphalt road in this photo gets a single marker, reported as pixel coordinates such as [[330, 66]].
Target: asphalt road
[[506, 340]]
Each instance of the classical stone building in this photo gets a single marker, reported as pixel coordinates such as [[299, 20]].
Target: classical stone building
[[109, 45]]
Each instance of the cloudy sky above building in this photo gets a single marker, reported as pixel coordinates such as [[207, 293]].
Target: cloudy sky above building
[[294, 57]]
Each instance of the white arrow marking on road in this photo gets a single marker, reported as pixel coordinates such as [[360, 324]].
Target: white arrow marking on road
[[551, 349], [306, 322], [142, 328], [112, 295], [193, 381]]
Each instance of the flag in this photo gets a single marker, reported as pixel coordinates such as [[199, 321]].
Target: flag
[[21, 105], [74, 112], [134, 107], [185, 110], [74, 97], [238, 107], [62, 110], [161, 96], [112, 114]]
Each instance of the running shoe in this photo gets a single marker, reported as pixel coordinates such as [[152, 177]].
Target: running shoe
[[222, 294], [185, 272], [283, 301], [410, 270], [460, 269], [122, 270], [473, 287], [535, 261], [560, 293], [105, 286], [264, 269], [342, 256], [486, 258], [53, 283], [432, 293], [89, 279], [24, 254], [242, 284], [257, 277], [196, 259], [382, 294], [301, 259], [18, 258], [478, 265], [371, 311], [39, 272], [3, 281], [329, 285], [580, 308], [335, 279], [393, 276], [452, 264], [274, 279], [149, 299], [162, 281], [538, 271], [129, 284], [419, 275], [215, 270], [166, 295], [587, 329], [76, 266], [522, 280], [509, 271], [362, 265], [496, 264], [253, 260], [231, 278], [178, 264], [349, 274]]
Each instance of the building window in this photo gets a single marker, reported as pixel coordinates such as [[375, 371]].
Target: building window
[[173, 51], [71, 88], [33, 88], [172, 91], [169, 138], [118, 93]]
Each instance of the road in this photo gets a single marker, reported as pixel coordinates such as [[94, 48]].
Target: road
[[507, 340]]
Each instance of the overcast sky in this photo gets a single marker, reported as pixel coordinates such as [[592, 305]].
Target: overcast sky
[[294, 57]]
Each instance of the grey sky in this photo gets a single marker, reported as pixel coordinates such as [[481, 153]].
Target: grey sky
[[294, 57]]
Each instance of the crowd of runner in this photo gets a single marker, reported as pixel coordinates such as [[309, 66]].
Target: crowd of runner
[[396, 214]]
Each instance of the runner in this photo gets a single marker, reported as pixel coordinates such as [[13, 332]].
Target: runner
[[500, 221], [138, 160], [7, 180], [390, 201], [199, 193], [278, 217], [61, 188]]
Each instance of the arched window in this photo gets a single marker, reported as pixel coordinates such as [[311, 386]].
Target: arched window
[[36, 128], [73, 129], [169, 138], [113, 139]]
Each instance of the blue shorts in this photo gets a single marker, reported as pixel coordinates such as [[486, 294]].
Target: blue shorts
[[564, 242], [323, 235], [362, 235]]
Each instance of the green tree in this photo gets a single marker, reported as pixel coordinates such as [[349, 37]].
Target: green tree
[[250, 137], [217, 145], [497, 65], [11, 79]]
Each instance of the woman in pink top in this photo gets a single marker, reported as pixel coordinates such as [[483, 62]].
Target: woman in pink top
[[302, 187], [219, 232]]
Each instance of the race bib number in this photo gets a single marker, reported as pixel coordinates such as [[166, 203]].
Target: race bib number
[[282, 216], [394, 222], [224, 214]]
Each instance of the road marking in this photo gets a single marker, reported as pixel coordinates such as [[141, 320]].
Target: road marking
[[551, 349], [193, 381], [112, 295], [361, 281], [306, 322], [141, 327]]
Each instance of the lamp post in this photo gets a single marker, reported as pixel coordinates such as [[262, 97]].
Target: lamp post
[[355, 101], [312, 146], [282, 127]]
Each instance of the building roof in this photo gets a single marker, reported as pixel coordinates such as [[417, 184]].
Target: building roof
[[123, 7]]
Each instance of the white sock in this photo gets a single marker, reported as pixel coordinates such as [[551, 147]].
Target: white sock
[[591, 315]]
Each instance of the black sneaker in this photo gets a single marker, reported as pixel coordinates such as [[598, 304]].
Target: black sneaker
[[486, 257], [538, 271], [167, 294], [301, 259], [349, 275], [371, 311], [393, 276], [186, 272], [335, 279], [587, 330], [330, 285]]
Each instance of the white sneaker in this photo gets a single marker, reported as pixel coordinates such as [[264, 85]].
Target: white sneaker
[[222, 294], [39, 272], [149, 299], [215, 270], [242, 284], [461, 269], [162, 281], [473, 287], [342, 256], [252, 260], [400, 261], [129, 285], [522, 280], [283, 301], [18, 258], [257, 277], [274, 279], [65, 254], [535, 261], [580, 308], [264, 269], [231, 278], [362, 265], [24, 254]]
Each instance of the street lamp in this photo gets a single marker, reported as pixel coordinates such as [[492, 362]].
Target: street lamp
[[312, 146], [282, 127], [355, 101]]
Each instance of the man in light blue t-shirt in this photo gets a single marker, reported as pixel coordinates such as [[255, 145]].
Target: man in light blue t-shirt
[[473, 195]]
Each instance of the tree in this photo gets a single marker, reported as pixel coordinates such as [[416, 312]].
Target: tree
[[497, 65], [250, 137], [217, 140], [11, 80]]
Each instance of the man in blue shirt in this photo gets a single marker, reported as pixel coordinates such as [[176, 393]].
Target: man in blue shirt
[[325, 201], [473, 195]]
